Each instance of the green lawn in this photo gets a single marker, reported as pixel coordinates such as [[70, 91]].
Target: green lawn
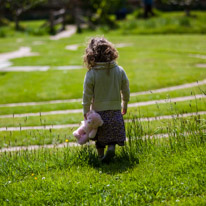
[[164, 23], [78, 105], [56, 136], [35, 137], [147, 171], [159, 60], [158, 173], [144, 111]]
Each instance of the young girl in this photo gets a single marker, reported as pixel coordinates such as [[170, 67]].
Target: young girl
[[105, 85]]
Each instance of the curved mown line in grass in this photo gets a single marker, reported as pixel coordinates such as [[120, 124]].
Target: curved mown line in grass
[[132, 119], [74, 144], [78, 112], [142, 125], [76, 103], [154, 110], [167, 89]]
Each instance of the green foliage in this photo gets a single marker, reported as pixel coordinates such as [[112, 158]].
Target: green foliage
[[17, 7], [3, 32], [164, 23], [101, 11], [4, 22], [185, 4], [181, 2], [23, 4], [32, 28]]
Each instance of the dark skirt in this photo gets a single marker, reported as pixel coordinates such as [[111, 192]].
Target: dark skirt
[[112, 131]]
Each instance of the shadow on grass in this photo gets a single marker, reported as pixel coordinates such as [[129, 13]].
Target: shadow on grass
[[121, 162]]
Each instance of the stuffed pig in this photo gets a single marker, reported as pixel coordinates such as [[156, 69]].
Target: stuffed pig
[[88, 128]]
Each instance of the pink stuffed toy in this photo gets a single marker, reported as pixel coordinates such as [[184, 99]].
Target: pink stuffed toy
[[88, 128]]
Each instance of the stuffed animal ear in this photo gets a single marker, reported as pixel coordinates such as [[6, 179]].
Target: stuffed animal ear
[[90, 112]]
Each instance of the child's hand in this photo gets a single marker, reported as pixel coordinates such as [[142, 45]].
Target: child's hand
[[124, 111]]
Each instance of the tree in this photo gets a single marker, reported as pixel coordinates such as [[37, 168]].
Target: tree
[[101, 10], [17, 7], [148, 4], [2, 6], [186, 4]]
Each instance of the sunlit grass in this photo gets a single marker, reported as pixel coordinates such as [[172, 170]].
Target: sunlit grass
[[161, 61], [150, 169], [146, 171]]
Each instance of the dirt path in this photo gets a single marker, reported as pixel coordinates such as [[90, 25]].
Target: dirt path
[[25, 69], [22, 52], [70, 30], [47, 127], [200, 56], [201, 65], [5, 64]]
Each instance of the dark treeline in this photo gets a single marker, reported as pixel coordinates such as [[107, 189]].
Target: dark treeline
[[93, 12]]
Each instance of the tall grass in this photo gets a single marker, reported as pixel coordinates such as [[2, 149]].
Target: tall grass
[[76, 171], [182, 134]]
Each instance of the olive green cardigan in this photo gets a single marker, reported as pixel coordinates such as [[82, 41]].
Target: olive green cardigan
[[105, 85]]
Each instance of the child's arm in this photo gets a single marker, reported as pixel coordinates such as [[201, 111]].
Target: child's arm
[[125, 91], [87, 92]]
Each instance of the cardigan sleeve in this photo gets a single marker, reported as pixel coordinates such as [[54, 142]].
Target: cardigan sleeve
[[88, 91], [125, 91]]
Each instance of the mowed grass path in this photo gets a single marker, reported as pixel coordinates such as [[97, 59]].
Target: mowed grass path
[[151, 62], [78, 104], [154, 110], [57, 136], [147, 171]]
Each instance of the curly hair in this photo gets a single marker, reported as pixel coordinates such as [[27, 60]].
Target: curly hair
[[99, 49]]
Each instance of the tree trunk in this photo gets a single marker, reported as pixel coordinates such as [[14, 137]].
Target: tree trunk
[[51, 19], [187, 11], [77, 16], [16, 20]]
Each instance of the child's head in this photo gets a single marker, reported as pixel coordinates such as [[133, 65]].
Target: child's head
[[99, 49]]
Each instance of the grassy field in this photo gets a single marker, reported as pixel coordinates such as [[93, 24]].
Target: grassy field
[[78, 105], [145, 172], [161, 60], [164, 23], [144, 111], [149, 170], [57, 136]]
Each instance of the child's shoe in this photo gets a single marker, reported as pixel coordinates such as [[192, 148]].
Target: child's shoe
[[109, 154]]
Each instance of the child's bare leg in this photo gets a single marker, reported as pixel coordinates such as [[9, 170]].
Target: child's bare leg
[[100, 152]]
